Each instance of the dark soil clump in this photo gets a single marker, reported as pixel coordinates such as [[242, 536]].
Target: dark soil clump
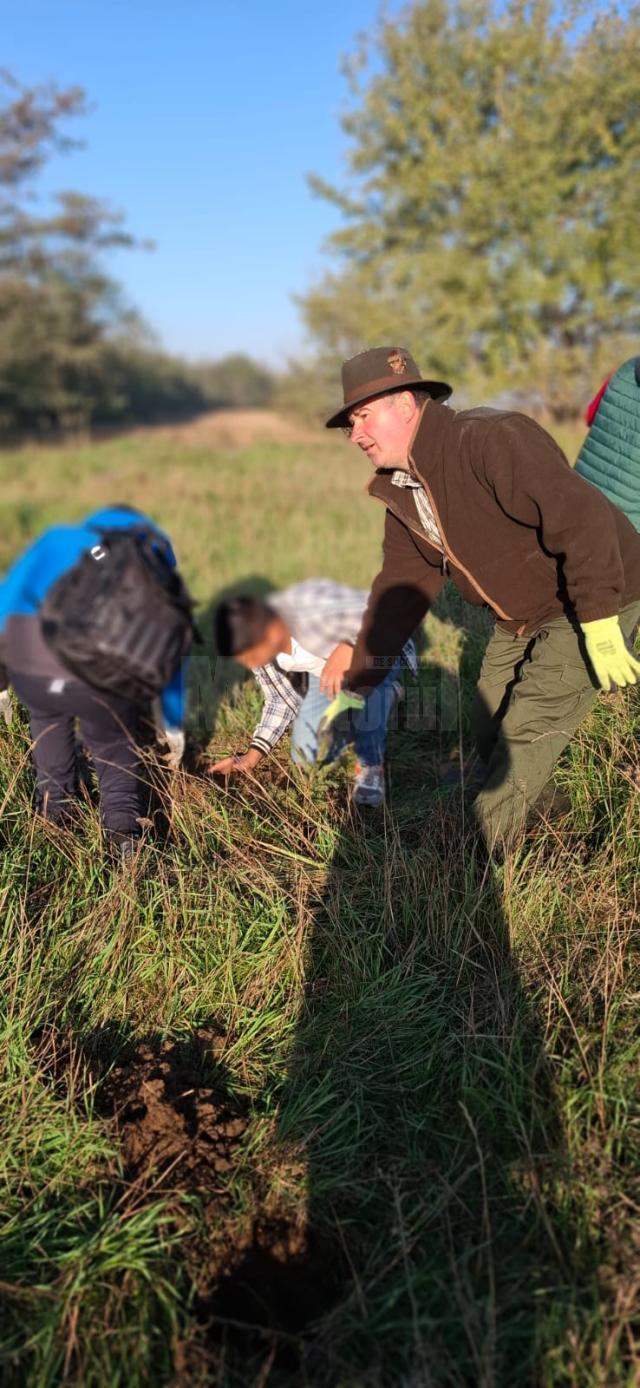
[[260, 1278], [172, 1108]]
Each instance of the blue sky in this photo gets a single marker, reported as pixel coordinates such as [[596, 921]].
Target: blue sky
[[207, 115]]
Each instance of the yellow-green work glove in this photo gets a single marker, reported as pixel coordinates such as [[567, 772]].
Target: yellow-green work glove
[[612, 661], [336, 727]]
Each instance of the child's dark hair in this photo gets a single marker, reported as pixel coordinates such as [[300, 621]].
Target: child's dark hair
[[240, 623]]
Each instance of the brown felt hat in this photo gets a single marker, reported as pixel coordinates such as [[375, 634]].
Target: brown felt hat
[[380, 371]]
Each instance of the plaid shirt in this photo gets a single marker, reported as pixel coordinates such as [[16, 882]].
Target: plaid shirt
[[426, 517], [319, 614]]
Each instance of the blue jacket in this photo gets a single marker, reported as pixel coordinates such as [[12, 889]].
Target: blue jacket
[[27, 583]]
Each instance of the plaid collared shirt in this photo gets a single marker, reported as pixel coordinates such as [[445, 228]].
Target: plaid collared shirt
[[319, 614], [400, 478]]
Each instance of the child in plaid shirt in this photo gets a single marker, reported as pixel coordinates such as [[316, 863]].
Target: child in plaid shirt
[[299, 643]]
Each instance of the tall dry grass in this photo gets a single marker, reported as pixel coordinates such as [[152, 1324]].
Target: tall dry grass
[[389, 1095]]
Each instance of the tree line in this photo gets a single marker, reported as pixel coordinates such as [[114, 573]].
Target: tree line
[[72, 352], [489, 221]]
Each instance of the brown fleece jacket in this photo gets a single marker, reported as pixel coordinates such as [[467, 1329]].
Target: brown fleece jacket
[[522, 533]]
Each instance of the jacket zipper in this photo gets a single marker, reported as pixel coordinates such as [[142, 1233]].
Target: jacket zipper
[[448, 557], [444, 563], [448, 552], [415, 528]]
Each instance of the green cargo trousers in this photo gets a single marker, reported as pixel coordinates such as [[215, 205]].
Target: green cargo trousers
[[532, 695]]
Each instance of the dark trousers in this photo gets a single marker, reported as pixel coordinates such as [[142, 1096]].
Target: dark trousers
[[108, 728]]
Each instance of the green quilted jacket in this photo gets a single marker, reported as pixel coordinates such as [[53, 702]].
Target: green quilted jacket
[[610, 454]]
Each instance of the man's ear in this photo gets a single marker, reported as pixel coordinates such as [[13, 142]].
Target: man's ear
[[279, 632], [407, 404]]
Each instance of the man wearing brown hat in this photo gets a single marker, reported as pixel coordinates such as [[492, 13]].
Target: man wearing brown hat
[[487, 498]]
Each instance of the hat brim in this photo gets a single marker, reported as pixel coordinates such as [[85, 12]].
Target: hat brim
[[438, 390]]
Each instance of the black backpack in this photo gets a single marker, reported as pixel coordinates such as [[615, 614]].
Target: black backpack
[[121, 618]]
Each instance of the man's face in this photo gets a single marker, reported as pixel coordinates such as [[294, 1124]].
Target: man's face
[[383, 428], [275, 640]]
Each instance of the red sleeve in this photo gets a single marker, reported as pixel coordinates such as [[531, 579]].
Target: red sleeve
[[592, 408]]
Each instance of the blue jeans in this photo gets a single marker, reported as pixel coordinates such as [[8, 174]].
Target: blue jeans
[[370, 725]]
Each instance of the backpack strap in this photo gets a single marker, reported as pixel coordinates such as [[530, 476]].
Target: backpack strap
[[158, 546]]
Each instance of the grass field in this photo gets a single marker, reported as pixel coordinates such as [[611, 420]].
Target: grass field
[[307, 1101]]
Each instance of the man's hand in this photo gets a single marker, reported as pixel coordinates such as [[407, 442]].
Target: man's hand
[[175, 741], [337, 726], [612, 662], [237, 765], [6, 707], [172, 738], [339, 662]]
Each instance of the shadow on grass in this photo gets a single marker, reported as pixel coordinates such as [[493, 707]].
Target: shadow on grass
[[419, 1101], [419, 1098]]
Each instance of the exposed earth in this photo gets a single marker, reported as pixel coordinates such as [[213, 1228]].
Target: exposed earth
[[230, 428], [261, 1280]]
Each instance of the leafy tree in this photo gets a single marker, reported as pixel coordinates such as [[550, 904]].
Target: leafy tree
[[490, 218]]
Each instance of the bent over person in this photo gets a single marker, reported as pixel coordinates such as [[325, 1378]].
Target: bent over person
[[299, 643], [487, 498], [57, 696]]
